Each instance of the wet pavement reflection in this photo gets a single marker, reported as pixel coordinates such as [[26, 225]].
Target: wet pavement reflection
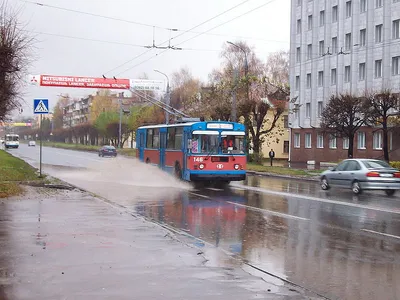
[[337, 244], [318, 245]]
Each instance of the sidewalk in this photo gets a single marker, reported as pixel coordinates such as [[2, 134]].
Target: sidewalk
[[69, 245]]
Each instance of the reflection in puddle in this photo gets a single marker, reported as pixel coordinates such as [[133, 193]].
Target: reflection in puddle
[[327, 253]]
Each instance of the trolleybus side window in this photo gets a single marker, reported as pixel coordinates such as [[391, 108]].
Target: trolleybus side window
[[175, 138], [149, 143], [141, 140], [171, 138], [153, 138], [156, 138], [178, 138]]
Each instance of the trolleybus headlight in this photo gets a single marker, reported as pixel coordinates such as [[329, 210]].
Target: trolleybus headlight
[[201, 166], [236, 167]]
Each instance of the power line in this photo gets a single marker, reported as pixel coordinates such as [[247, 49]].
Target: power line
[[97, 15], [150, 58], [194, 27], [152, 25], [222, 24]]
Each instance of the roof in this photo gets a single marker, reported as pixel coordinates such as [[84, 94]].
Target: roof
[[165, 125]]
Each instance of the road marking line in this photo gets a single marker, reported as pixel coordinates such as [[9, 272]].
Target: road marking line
[[311, 198], [271, 212], [199, 195], [214, 189], [381, 233]]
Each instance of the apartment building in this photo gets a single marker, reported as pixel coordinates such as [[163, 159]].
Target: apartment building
[[78, 111], [340, 46]]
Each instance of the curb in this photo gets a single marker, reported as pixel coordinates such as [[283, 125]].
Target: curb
[[266, 174]]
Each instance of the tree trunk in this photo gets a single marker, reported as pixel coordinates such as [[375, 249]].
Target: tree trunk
[[350, 151], [385, 140], [256, 148]]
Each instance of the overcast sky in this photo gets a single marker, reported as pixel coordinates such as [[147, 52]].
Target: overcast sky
[[267, 29]]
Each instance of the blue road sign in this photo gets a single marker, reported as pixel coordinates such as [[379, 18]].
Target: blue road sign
[[40, 106]]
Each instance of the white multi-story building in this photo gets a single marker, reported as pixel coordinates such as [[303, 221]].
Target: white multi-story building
[[339, 46]]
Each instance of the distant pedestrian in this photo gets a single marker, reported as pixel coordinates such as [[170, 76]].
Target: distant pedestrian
[[271, 155]]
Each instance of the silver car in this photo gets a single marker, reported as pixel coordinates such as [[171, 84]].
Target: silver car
[[362, 174]]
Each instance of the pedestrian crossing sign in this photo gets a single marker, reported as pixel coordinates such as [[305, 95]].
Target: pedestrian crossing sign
[[41, 106]]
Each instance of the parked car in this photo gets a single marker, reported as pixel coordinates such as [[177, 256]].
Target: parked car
[[31, 143], [1, 141], [108, 151], [362, 174]]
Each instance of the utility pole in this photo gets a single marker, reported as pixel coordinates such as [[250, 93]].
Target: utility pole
[[167, 97], [40, 148], [234, 103], [120, 125]]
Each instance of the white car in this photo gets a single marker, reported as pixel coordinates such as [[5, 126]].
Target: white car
[[32, 143]]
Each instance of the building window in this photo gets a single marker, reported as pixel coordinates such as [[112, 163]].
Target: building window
[[334, 45], [363, 6], [320, 141], [333, 77], [297, 82], [363, 37], [309, 80], [320, 108], [334, 14], [298, 2], [396, 29], [332, 142], [309, 51], [361, 140], [347, 74], [286, 121], [348, 9], [347, 42], [321, 78], [378, 3], [378, 33], [396, 65], [378, 68], [361, 72], [307, 140], [299, 26], [321, 48], [285, 147], [345, 143], [298, 55], [310, 22], [296, 140], [321, 18], [308, 110], [377, 140]]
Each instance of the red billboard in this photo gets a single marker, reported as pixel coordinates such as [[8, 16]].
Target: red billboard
[[80, 82]]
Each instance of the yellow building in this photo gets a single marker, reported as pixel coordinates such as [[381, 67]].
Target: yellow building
[[278, 138]]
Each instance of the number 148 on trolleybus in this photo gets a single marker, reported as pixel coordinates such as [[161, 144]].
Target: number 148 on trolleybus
[[197, 151]]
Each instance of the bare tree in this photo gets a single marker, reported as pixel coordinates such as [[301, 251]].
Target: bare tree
[[343, 116], [378, 108], [185, 91], [15, 46]]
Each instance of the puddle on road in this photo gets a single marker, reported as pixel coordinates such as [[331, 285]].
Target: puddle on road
[[122, 180]]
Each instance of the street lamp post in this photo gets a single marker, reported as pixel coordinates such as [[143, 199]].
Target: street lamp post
[[168, 97], [246, 70]]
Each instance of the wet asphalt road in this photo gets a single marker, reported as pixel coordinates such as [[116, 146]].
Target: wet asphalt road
[[342, 246]]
